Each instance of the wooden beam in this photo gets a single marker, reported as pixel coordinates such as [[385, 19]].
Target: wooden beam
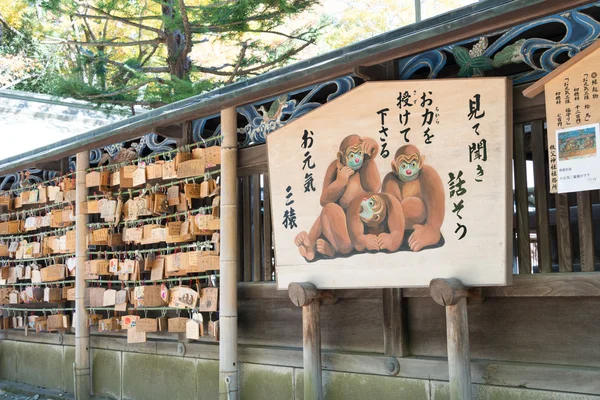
[[586, 232], [563, 225], [521, 194], [541, 195], [307, 296], [395, 340], [174, 131], [252, 160], [378, 72], [574, 284], [451, 294], [54, 165]]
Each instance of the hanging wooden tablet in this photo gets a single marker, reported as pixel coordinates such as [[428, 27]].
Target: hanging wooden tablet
[[159, 234], [100, 236], [162, 324], [146, 325], [126, 176], [129, 321], [94, 319], [192, 330], [177, 324], [109, 298], [212, 155], [115, 239], [209, 299], [192, 190], [139, 175], [133, 234], [161, 205], [121, 300], [183, 297], [109, 325], [158, 267], [198, 154], [191, 168], [70, 196], [168, 170], [52, 295], [144, 205], [53, 273], [154, 171], [173, 195], [52, 191], [183, 203], [115, 178], [181, 157]]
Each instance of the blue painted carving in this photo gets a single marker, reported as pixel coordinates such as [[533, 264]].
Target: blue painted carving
[[540, 55], [13, 181], [281, 110]]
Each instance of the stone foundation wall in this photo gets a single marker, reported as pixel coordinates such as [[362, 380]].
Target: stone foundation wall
[[121, 374]]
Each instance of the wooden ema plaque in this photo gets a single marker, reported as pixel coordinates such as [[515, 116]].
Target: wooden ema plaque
[[394, 184], [572, 94]]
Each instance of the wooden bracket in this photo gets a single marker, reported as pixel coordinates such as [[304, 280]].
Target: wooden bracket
[[378, 72], [452, 294], [447, 292], [303, 293], [170, 131]]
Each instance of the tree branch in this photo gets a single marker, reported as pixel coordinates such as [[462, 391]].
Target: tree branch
[[10, 28], [125, 89], [112, 17], [106, 43], [126, 21], [199, 28], [23, 79], [279, 59], [238, 63]]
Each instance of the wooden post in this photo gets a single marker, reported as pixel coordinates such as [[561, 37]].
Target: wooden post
[[228, 354], [307, 296], [451, 294], [82, 330]]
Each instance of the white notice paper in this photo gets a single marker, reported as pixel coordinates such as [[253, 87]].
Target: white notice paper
[[577, 158]]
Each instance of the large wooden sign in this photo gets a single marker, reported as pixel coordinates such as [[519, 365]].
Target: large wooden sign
[[394, 184], [573, 115]]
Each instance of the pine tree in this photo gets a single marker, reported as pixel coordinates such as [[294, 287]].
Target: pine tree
[[139, 52]]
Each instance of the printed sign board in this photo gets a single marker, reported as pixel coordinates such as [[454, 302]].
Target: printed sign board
[[572, 94], [396, 183]]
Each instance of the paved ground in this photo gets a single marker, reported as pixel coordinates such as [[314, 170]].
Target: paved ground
[[19, 391]]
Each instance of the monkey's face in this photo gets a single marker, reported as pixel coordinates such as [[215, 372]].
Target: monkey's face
[[408, 169], [372, 210], [355, 157]]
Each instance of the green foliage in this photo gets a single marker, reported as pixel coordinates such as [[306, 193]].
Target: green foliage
[[509, 54], [470, 66]]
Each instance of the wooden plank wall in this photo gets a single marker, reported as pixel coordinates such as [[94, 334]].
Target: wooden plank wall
[[256, 244]]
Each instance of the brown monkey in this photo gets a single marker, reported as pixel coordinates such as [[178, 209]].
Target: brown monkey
[[421, 192], [353, 173], [376, 222]]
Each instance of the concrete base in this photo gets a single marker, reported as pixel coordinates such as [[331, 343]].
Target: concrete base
[[119, 374]]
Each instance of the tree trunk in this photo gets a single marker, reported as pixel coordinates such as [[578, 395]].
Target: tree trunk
[[176, 55]]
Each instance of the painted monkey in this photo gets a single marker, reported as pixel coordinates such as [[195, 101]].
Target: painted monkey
[[351, 174], [421, 192], [376, 222]]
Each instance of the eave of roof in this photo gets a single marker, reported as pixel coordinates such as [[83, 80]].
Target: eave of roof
[[476, 19]]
